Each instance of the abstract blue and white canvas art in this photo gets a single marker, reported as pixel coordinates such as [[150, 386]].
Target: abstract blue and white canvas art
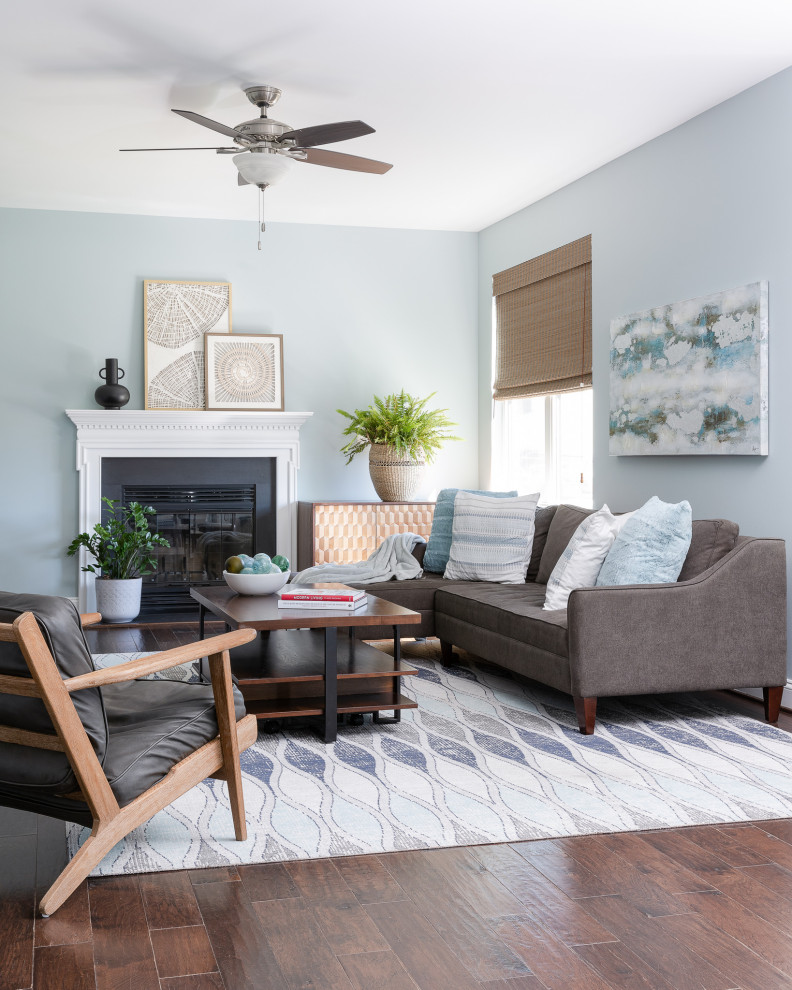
[[691, 377]]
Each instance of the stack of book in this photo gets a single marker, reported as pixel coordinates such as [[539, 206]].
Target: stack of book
[[331, 596]]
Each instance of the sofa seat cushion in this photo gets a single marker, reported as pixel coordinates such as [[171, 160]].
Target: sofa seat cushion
[[152, 725], [418, 594], [514, 611]]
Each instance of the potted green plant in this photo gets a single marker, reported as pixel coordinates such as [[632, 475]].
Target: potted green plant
[[123, 548], [402, 436]]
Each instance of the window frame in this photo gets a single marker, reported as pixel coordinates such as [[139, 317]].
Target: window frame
[[501, 428]]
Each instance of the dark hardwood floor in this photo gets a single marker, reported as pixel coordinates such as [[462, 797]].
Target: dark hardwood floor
[[703, 908]]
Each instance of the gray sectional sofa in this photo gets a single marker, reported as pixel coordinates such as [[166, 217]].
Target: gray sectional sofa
[[721, 625]]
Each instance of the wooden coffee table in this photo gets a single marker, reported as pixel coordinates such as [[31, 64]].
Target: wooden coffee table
[[300, 666]]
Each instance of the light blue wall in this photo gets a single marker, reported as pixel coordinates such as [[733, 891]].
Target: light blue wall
[[363, 311], [705, 207]]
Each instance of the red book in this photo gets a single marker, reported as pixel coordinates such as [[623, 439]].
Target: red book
[[328, 592], [325, 603]]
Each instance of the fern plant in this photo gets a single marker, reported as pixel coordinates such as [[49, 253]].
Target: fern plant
[[400, 421], [124, 547]]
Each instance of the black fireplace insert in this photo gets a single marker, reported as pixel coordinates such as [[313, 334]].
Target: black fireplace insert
[[208, 508]]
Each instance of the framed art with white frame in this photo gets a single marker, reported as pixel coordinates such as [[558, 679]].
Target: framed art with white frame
[[244, 371], [176, 315]]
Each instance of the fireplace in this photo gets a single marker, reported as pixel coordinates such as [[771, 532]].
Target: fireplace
[[208, 508], [178, 445]]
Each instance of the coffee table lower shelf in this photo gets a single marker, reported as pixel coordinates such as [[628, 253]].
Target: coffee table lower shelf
[[350, 704], [281, 675]]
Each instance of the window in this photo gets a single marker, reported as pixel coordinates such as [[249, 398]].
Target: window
[[544, 444], [542, 423]]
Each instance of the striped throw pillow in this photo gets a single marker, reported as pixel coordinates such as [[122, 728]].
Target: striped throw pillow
[[491, 538], [438, 545]]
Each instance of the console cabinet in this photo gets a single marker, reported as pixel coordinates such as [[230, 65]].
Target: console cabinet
[[347, 532]]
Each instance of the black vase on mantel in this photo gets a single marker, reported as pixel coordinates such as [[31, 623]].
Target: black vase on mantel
[[111, 395]]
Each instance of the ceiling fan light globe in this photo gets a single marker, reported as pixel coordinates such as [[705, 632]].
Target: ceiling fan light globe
[[262, 167]]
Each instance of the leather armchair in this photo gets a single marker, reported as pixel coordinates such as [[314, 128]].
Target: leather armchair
[[101, 747]]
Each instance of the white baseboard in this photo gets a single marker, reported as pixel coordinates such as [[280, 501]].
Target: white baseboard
[[786, 697]]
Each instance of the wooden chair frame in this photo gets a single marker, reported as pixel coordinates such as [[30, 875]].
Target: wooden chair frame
[[218, 758]]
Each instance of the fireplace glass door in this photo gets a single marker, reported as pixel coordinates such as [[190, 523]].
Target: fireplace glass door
[[205, 520]]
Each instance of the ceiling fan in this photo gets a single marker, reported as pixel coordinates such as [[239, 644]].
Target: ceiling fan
[[266, 148]]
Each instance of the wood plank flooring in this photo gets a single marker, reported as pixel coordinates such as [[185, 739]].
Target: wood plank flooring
[[701, 908]]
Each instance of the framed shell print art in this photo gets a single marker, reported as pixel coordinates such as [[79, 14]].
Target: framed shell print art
[[244, 371], [176, 315]]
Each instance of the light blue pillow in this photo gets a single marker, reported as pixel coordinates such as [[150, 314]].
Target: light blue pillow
[[438, 545], [652, 545]]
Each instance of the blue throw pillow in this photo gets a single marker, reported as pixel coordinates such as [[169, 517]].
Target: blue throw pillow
[[438, 546], [652, 545]]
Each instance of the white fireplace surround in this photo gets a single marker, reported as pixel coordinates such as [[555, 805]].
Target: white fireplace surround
[[166, 433]]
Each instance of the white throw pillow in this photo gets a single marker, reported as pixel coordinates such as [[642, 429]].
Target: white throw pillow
[[580, 564], [491, 538]]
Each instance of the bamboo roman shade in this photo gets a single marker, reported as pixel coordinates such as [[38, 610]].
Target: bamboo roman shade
[[543, 323]]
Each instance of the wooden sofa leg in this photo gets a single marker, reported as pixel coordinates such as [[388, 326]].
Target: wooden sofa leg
[[446, 652], [586, 709], [772, 702]]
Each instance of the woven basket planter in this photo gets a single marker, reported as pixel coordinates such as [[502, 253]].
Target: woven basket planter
[[395, 476]]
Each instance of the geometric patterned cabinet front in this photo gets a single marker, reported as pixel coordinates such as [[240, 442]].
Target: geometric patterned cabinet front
[[347, 532]]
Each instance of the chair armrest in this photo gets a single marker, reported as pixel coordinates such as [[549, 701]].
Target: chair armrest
[[724, 628], [90, 618], [134, 669]]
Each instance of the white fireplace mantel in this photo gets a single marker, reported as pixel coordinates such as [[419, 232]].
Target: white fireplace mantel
[[176, 433]]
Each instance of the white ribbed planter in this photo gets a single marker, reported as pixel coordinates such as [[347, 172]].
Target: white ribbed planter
[[396, 477], [118, 599]]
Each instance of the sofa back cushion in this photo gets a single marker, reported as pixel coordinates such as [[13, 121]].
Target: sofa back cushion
[[59, 623], [712, 539], [565, 521], [439, 544], [542, 519]]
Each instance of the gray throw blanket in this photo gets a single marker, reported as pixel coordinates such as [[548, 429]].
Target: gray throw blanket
[[392, 559]]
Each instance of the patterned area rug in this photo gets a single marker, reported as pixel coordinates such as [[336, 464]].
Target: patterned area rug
[[484, 758]]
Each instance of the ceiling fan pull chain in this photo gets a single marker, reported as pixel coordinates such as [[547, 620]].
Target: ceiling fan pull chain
[[262, 228]]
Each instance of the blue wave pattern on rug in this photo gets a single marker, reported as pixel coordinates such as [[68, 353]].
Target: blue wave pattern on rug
[[483, 759]]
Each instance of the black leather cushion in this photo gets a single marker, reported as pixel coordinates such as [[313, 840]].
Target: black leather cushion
[[153, 725], [59, 623], [41, 802]]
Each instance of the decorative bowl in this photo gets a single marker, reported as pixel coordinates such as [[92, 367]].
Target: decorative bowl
[[256, 584]]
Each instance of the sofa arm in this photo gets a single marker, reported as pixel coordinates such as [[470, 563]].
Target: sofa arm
[[723, 628]]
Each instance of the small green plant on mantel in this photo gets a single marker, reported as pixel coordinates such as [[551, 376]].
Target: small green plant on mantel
[[399, 421], [124, 547]]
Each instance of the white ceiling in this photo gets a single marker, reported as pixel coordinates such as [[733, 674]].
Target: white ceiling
[[481, 107]]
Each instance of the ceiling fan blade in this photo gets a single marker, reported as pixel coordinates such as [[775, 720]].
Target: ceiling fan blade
[[213, 125], [308, 137], [332, 159], [178, 149], [241, 181]]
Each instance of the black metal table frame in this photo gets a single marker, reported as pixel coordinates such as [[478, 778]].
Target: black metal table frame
[[330, 730]]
